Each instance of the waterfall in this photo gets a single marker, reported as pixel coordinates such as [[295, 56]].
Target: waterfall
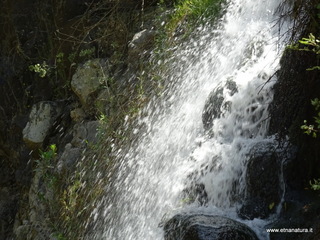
[[172, 150]]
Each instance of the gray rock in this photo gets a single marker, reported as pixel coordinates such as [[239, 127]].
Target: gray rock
[[21, 232], [41, 119], [77, 114], [215, 104], [205, 227], [85, 133], [68, 159], [39, 193], [88, 79], [140, 46], [141, 39]]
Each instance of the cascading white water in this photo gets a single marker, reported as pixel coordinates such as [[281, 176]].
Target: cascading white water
[[173, 150]]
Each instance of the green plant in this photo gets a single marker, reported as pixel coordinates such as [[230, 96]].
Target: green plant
[[44, 69], [41, 69], [271, 205], [87, 52], [315, 185], [59, 236], [46, 158], [45, 165], [309, 44], [311, 129], [311, 41], [50, 153]]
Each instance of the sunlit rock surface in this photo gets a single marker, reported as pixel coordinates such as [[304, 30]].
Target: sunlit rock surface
[[89, 78], [41, 119]]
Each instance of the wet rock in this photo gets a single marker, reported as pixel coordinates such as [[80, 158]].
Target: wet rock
[[294, 85], [88, 79], [195, 193], [204, 227], [255, 207], [140, 46], [41, 119], [141, 41], [215, 105], [263, 182], [300, 210], [195, 190]]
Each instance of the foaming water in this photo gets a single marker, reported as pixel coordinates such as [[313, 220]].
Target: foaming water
[[173, 151]]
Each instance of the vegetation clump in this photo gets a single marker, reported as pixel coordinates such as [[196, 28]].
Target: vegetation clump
[[189, 14], [312, 44]]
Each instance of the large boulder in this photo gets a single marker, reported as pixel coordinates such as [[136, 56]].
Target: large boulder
[[41, 119], [263, 182], [215, 104], [89, 79], [206, 227]]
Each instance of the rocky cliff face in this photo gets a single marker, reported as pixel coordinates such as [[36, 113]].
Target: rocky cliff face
[[294, 90], [53, 117]]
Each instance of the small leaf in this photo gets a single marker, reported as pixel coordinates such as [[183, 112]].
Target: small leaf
[[312, 37], [314, 102], [53, 147], [303, 41], [271, 205]]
